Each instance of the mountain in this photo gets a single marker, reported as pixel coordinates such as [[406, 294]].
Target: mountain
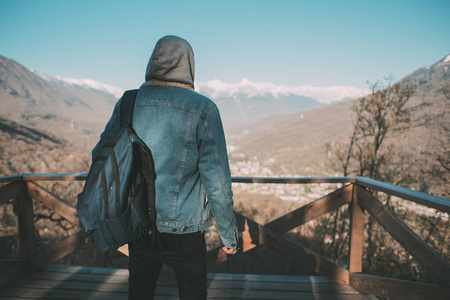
[[294, 143], [284, 128], [219, 89], [246, 102], [73, 114], [27, 150], [436, 75], [242, 103], [82, 84]]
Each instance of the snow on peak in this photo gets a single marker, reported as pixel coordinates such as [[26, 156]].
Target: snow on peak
[[217, 88], [447, 59], [86, 84]]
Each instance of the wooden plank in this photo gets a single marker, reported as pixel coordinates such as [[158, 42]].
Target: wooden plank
[[413, 244], [246, 242], [356, 248], [64, 293], [17, 298], [270, 278], [124, 250], [10, 191], [261, 235], [397, 289], [270, 295], [285, 223], [297, 180], [122, 287], [438, 203], [69, 282], [54, 276], [85, 270], [35, 293], [55, 177], [82, 176], [211, 276], [71, 285], [121, 276], [250, 234], [26, 223], [315, 262], [117, 296], [12, 268], [59, 250], [220, 286], [51, 201], [11, 178], [281, 286], [312, 210]]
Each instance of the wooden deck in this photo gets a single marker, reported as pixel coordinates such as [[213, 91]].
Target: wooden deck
[[69, 282], [63, 282]]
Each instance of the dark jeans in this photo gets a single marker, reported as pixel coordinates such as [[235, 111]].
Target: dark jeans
[[184, 253]]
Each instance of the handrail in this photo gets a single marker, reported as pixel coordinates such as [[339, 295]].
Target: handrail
[[83, 176], [436, 202], [44, 177], [290, 180], [432, 201], [353, 193]]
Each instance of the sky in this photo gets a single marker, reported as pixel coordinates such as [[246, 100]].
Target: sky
[[294, 43]]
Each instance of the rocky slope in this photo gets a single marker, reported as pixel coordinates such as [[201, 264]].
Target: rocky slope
[[75, 115]]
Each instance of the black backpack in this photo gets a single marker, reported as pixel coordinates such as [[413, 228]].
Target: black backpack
[[117, 203]]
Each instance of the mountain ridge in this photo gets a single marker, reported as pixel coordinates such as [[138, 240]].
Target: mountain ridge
[[27, 99], [294, 143], [283, 137], [323, 94], [240, 104]]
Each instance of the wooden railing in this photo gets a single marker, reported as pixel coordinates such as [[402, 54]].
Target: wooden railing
[[354, 192]]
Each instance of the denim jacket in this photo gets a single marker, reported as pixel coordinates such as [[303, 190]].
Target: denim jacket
[[184, 131]]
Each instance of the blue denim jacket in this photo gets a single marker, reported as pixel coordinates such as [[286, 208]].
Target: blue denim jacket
[[184, 131]]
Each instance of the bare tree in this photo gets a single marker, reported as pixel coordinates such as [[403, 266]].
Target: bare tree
[[387, 111]]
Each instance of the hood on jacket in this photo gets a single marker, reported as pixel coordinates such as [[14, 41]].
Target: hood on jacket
[[172, 61]]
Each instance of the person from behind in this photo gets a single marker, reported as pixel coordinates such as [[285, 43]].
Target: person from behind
[[183, 129]]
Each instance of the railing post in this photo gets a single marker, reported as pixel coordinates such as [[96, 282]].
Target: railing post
[[24, 206], [356, 234]]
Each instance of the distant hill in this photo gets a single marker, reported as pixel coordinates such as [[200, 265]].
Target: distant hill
[[242, 103], [247, 102], [240, 110], [28, 150], [82, 84], [282, 128], [78, 109], [74, 114], [294, 143]]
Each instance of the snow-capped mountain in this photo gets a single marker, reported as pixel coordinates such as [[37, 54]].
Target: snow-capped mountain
[[218, 89], [241, 103], [83, 84], [75, 115], [446, 59]]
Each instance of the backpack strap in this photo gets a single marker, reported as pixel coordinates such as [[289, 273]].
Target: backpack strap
[[127, 108]]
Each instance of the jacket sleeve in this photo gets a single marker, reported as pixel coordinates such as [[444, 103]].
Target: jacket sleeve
[[215, 175], [111, 128]]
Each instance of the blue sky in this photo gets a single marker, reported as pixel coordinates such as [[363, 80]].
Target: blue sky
[[318, 43]]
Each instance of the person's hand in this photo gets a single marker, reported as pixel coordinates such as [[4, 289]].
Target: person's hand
[[231, 251]]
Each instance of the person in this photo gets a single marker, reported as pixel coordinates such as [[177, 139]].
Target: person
[[184, 131]]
